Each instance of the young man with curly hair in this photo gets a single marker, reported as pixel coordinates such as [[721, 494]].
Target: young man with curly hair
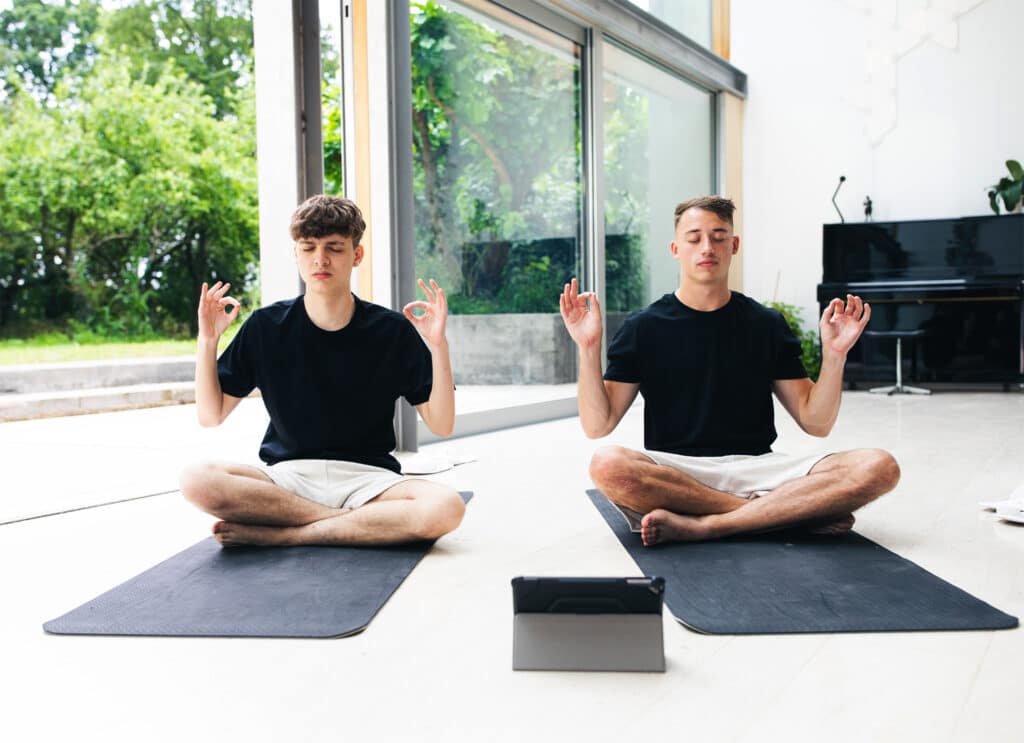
[[330, 367]]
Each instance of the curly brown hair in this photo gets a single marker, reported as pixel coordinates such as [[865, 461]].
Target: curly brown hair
[[319, 216]]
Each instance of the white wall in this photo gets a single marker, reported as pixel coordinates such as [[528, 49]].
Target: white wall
[[918, 106]]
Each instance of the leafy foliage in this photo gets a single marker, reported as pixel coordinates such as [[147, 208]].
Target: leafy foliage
[[209, 41], [44, 43], [127, 171], [333, 130], [128, 180], [809, 341], [496, 145], [498, 168], [1010, 190]]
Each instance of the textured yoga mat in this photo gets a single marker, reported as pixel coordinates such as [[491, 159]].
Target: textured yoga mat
[[789, 582], [209, 591]]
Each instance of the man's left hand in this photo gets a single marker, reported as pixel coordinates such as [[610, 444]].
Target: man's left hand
[[841, 325], [430, 324]]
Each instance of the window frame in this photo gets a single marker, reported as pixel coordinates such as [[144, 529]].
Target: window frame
[[589, 23]]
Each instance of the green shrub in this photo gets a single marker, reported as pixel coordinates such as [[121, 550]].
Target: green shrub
[[809, 342]]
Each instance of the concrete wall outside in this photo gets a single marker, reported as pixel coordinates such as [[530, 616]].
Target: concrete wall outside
[[529, 348], [79, 375], [515, 349]]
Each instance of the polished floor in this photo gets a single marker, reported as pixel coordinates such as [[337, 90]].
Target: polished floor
[[436, 662]]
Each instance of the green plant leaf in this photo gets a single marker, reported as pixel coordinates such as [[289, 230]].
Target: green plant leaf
[[993, 202], [1011, 196], [1015, 170]]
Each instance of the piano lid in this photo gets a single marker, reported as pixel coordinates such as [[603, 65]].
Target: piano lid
[[924, 250]]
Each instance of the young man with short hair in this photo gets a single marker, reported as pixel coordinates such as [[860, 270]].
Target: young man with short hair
[[329, 367], [707, 360]]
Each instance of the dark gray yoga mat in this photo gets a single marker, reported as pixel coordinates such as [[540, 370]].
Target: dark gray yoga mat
[[791, 581], [209, 591]]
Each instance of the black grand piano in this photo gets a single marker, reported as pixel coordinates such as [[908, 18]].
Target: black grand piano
[[960, 281]]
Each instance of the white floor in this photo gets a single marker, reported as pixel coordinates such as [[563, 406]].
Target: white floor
[[436, 662]]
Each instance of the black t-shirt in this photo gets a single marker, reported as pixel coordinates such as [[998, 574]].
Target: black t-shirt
[[330, 394], [706, 377]]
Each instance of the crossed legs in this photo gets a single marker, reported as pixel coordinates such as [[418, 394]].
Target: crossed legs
[[253, 510], [679, 508]]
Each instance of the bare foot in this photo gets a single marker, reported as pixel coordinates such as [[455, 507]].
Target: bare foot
[[665, 526], [833, 528], [233, 535]]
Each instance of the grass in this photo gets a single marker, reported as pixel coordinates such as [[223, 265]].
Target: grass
[[54, 347]]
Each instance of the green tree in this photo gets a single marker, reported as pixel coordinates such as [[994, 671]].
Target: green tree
[[43, 42], [49, 179], [330, 107], [184, 210], [333, 132], [119, 202], [210, 41], [127, 161]]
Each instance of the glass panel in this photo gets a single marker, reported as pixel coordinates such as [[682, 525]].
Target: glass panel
[[658, 151], [330, 97], [692, 18], [497, 177]]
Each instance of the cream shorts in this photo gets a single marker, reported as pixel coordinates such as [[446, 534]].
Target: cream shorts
[[330, 482], [745, 475]]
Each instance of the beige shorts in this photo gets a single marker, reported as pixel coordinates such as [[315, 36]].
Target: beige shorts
[[330, 482], [747, 476]]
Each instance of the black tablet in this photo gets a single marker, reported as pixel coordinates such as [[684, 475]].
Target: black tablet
[[587, 595]]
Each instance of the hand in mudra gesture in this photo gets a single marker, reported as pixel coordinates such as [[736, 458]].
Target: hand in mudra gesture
[[841, 325], [431, 323], [213, 320], [583, 324]]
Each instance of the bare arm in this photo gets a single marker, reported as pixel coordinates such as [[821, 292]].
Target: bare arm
[[438, 412], [212, 404], [815, 406], [601, 403]]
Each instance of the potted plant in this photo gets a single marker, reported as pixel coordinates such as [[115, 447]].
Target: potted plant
[[1009, 189]]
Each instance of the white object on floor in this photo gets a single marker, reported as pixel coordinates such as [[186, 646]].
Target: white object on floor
[[431, 464], [457, 457], [1016, 499], [1011, 511], [424, 464]]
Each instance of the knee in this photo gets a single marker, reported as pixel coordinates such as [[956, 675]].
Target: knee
[[611, 470], [443, 516], [880, 470], [199, 486]]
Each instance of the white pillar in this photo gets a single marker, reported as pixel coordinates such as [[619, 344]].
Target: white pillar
[[276, 149]]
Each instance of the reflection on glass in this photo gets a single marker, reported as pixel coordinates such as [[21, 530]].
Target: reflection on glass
[[497, 178], [658, 151], [692, 18]]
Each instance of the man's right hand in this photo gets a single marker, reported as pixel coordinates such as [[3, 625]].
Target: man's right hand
[[213, 320], [584, 325]]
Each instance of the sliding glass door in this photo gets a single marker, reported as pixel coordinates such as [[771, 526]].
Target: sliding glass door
[[658, 150], [525, 140], [497, 171]]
